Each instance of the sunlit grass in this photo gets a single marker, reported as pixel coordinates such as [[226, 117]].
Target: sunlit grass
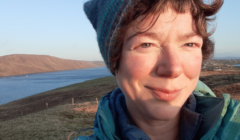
[[52, 124]]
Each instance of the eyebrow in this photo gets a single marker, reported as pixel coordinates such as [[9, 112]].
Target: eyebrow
[[152, 35], [157, 36], [188, 35]]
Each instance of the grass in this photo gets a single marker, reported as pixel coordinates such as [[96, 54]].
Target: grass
[[52, 124], [86, 84]]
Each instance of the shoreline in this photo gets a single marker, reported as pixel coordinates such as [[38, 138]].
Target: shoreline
[[46, 72]]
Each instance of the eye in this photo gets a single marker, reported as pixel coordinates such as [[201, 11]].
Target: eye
[[146, 45], [189, 44]]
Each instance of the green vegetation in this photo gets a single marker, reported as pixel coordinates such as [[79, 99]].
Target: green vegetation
[[51, 124], [86, 84]]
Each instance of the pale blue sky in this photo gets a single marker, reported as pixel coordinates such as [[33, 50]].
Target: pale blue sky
[[60, 28]]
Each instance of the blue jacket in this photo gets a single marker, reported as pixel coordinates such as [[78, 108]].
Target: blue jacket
[[215, 118]]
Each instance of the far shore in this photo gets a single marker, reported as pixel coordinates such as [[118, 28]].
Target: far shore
[[23, 64], [45, 72]]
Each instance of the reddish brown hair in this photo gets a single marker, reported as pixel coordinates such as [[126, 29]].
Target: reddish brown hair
[[202, 15]]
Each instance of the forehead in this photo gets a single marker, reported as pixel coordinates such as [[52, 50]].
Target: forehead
[[164, 23]]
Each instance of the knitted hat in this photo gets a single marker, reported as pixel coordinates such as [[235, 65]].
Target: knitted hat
[[106, 16]]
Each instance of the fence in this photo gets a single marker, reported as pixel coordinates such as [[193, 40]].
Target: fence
[[5, 115]]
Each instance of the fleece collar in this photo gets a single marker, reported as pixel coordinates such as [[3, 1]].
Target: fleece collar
[[124, 129]]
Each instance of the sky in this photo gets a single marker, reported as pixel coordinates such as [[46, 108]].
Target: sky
[[60, 28]]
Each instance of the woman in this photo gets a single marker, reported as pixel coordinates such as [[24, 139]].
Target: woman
[[155, 49]]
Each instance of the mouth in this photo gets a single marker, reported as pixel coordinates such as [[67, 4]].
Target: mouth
[[164, 94]]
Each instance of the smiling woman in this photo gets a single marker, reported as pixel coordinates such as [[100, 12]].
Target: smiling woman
[[155, 48], [158, 79]]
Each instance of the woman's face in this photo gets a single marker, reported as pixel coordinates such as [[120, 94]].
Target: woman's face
[[160, 68]]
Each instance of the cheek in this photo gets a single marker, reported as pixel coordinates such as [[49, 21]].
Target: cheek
[[192, 65], [136, 66]]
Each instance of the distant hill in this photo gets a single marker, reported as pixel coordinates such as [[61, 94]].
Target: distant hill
[[18, 64], [226, 58], [99, 63]]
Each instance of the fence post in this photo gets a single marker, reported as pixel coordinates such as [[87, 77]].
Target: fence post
[[47, 105], [97, 100], [72, 101]]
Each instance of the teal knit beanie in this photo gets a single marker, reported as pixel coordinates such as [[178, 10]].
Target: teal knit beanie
[[106, 16]]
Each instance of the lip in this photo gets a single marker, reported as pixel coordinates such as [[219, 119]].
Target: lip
[[164, 94]]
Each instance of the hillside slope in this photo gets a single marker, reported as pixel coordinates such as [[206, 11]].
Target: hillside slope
[[19, 64]]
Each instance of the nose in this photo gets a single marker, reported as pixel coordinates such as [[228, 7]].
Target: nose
[[169, 63]]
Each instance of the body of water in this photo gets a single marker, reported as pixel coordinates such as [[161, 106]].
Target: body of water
[[17, 87], [237, 65]]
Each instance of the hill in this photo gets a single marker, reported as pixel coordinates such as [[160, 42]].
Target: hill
[[226, 58], [19, 64]]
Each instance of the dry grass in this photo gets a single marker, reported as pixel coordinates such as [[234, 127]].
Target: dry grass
[[52, 124], [223, 72], [233, 90]]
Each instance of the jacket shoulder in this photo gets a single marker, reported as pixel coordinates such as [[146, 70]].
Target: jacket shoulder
[[228, 125], [202, 89]]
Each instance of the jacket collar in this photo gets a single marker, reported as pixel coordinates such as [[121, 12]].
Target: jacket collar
[[190, 121], [104, 128], [124, 129], [105, 124]]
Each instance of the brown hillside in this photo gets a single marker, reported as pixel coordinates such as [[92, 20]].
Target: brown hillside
[[19, 64]]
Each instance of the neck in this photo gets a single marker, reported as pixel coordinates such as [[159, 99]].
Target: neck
[[156, 129]]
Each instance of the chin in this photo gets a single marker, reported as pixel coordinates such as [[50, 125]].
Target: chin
[[162, 111]]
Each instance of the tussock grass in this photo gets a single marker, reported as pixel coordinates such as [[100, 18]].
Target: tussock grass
[[52, 124]]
